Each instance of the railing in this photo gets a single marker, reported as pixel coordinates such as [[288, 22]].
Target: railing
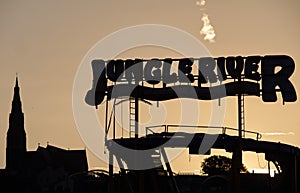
[[222, 129]]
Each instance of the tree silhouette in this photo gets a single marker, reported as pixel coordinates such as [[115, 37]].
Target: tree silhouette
[[218, 164]]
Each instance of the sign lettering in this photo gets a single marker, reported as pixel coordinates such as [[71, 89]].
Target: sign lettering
[[155, 79]]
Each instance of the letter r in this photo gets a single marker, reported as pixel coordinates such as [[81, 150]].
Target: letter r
[[281, 79]]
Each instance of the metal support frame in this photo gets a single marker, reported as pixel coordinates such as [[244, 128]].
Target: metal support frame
[[170, 172], [111, 173], [237, 159]]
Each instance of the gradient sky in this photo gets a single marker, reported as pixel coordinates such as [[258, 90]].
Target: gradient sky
[[45, 41]]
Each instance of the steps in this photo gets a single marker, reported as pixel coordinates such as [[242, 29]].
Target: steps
[[132, 121]]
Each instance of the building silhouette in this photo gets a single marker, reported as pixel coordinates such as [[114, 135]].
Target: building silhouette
[[16, 135], [48, 169]]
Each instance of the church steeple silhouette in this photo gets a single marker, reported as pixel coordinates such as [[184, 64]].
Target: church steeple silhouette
[[16, 135]]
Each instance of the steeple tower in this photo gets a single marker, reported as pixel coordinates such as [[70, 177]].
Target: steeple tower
[[16, 135]]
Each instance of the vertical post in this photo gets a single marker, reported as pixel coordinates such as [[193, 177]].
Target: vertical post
[[111, 173], [106, 114], [136, 117], [141, 181], [114, 129], [169, 169], [240, 127], [237, 152], [140, 174], [269, 181], [295, 178], [111, 166]]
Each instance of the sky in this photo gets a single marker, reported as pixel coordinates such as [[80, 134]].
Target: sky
[[45, 42]]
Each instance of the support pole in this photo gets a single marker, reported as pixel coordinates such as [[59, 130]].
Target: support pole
[[169, 169], [140, 174], [106, 117], [240, 114], [111, 173], [114, 109], [237, 151], [295, 178]]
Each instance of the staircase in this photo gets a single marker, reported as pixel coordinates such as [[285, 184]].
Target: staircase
[[243, 114], [158, 167], [131, 117]]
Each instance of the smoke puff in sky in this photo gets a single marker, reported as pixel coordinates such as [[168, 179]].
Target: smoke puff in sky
[[201, 3], [207, 30]]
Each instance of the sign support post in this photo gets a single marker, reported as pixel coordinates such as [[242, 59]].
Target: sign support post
[[237, 151]]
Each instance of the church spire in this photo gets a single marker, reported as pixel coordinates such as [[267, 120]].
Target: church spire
[[16, 103], [17, 84], [16, 135]]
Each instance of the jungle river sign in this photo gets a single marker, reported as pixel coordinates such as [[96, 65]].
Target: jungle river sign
[[157, 79]]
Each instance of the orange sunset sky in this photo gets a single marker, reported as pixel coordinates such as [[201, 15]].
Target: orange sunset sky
[[45, 42]]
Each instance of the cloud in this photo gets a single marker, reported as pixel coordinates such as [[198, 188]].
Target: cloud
[[207, 29], [201, 3], [277, 133]]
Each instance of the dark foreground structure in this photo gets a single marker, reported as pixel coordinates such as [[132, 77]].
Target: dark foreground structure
[[286, 158], [56, 170]]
